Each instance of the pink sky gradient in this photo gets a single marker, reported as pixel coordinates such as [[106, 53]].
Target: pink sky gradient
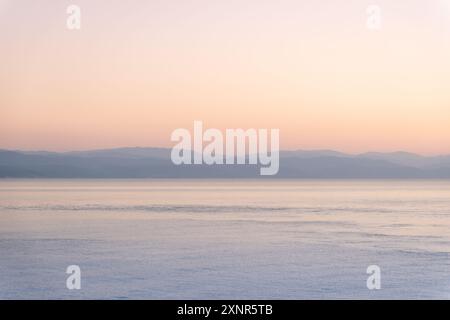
[[137, 70]]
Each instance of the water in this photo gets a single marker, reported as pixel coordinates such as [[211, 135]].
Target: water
[[217, 239]]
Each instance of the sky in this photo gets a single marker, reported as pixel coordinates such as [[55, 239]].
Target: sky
[[137, 70]]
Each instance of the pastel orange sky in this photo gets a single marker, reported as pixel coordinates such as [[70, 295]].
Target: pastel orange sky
[[137, 70]]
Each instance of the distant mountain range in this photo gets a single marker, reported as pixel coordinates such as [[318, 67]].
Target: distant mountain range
[[156, 163]]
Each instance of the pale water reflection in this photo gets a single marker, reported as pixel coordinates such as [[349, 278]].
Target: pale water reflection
[[224, 239]]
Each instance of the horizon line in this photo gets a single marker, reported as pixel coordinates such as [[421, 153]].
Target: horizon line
[[280, 150]]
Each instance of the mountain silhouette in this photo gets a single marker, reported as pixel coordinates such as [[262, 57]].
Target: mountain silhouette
[[156, 163]]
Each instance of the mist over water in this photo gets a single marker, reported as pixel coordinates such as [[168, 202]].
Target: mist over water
[[224, 239]]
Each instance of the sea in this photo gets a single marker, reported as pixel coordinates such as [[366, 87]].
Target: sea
[[225, 239]]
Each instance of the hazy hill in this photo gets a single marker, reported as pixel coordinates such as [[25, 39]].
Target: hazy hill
[[156, 163]]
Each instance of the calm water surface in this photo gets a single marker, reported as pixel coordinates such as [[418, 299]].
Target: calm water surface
[[179, 239]]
